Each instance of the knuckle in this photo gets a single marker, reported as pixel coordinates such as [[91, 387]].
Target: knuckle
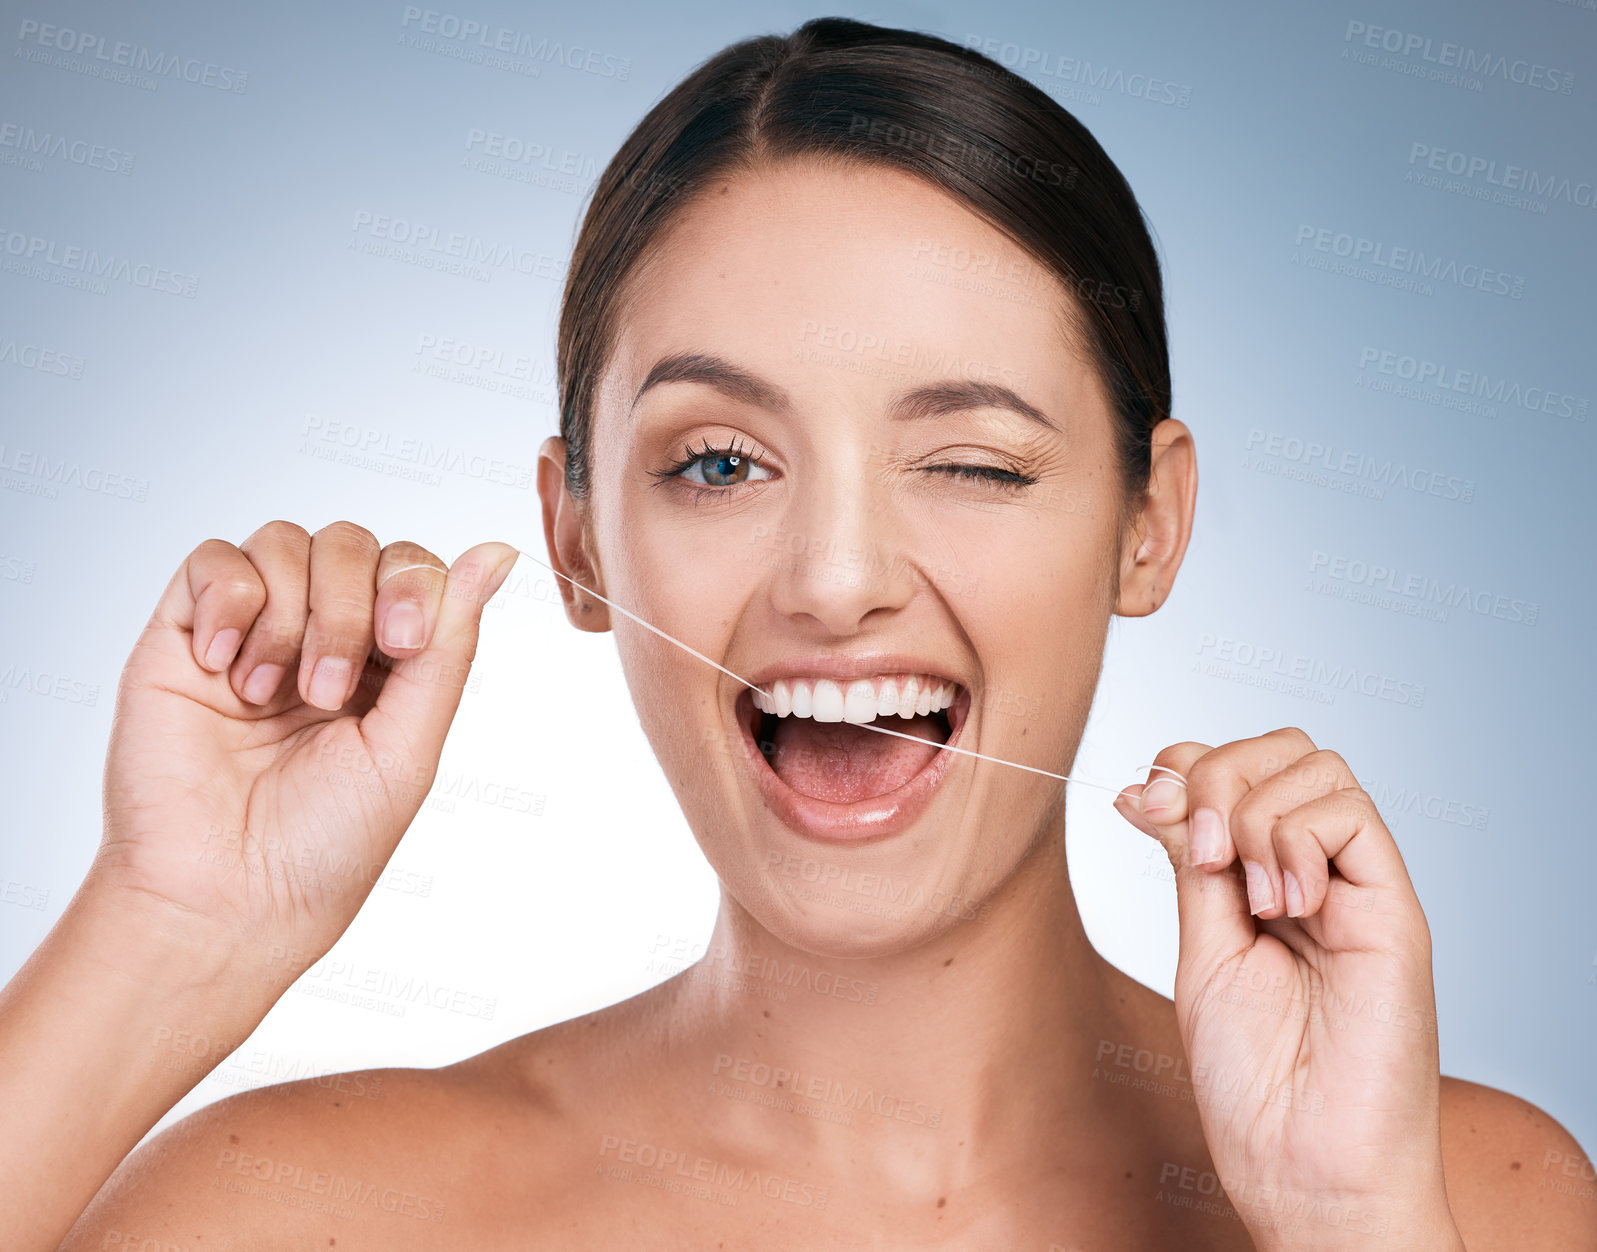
[[1358, 798], [405, 552], [215, 547], [343, 616], [1207, 771], [274, 637], [239, 590], [1332, 768], [285, 534], [1256, 807], [1178, 752], [350, 534]]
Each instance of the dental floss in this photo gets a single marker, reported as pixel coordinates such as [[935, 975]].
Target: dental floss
[[882, 730]]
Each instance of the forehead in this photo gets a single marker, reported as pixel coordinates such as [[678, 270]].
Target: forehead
[[838, 278]]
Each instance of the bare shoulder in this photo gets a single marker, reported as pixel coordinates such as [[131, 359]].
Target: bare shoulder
[[391, 1158], [1515, 1177]]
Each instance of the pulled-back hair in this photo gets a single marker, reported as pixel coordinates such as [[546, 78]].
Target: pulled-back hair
[[842, 89]]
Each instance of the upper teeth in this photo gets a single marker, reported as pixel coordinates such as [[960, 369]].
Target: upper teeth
[[862, 700]]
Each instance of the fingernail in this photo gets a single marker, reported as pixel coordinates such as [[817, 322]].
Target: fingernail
[[1261, 895], [329, 681], [403, 625], [1208, 837], [1158, 797], [1294, 894], [262, 683], [223, 645]]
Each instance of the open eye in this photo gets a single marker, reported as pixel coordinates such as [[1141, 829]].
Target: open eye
[[723, 467], [716, 469]]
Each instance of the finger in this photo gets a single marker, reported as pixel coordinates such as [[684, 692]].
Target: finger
[[1211, 901], [410, 584], [280, 552], [1128, 805], [217, 598], [338, 631], [417, 703], [1218, 780], [1271, 892], [215, 595], [1341, 829], [1162, 800]]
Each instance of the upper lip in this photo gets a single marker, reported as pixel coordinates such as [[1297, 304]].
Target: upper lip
[[843, 669]]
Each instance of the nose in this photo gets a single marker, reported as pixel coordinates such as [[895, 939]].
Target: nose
[[841, 552]]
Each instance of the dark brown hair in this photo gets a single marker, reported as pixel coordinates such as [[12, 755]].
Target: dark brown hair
[[838, 88]]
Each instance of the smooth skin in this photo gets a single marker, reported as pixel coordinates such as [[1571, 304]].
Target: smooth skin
[[1006, 1043]]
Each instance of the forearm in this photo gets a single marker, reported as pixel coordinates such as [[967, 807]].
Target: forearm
[[118, 1014]]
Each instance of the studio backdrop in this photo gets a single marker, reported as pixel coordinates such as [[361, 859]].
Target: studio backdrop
[[304, 261]]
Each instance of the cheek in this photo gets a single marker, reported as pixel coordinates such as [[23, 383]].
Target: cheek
[[1039, 624]]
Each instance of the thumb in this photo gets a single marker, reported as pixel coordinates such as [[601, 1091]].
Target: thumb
[[1211, 900], [417, 703]]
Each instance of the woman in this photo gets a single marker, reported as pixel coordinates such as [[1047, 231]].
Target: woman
[[865, 399]]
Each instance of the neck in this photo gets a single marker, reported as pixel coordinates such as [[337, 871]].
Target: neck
[[921, 1070]]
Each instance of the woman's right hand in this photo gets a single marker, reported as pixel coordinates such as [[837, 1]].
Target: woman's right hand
[[267, 754]]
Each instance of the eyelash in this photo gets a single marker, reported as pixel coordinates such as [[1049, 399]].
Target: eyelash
[[700, 492], [1001, 479]]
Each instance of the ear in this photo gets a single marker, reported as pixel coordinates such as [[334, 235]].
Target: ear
[[566, 535], [1156, 536]]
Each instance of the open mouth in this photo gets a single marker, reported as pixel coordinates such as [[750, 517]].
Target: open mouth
[[819, 750]]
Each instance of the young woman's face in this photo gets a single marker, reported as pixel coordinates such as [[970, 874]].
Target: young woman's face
[[801, 308]]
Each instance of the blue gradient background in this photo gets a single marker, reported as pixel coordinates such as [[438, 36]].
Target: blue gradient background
[[551, 874]]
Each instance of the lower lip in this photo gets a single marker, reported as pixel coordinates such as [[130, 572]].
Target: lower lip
[[876, 817]]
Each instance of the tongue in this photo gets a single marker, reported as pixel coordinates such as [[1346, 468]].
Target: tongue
[[845, 763]]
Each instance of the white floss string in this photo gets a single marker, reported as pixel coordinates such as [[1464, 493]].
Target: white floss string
[[881, 730]]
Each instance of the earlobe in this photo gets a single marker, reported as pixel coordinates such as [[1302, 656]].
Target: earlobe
[[567, 538]]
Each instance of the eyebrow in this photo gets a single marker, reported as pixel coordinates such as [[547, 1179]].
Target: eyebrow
[[953, 395]]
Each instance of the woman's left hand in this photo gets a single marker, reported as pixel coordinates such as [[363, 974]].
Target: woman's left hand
[[1303, 993]]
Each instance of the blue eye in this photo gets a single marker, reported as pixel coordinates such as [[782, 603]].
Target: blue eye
[[708, 468], [722, 468]]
